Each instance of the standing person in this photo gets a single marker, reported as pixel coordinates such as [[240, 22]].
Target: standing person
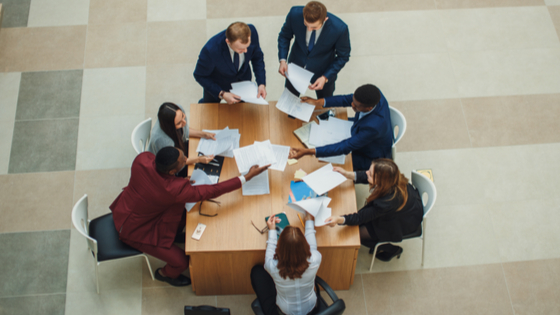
[[321, 45], [225, 60], [393, 209], [150, 212], [172, 129], [287, 279]]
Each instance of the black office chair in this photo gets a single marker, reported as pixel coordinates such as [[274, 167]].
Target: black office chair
[[336, 308]]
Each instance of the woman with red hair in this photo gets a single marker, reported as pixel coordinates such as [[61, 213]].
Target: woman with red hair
[[286, 281]]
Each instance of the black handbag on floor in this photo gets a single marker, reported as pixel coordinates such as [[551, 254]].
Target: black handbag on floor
[[206, 310]]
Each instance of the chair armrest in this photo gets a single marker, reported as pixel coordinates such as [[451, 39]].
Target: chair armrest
[[326, 287]]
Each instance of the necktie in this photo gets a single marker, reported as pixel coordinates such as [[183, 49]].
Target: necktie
[[236, 61], [311, 41]]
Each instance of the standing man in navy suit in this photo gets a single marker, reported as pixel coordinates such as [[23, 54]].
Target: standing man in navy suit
[[225, 60], [321, 45], [371, 134]]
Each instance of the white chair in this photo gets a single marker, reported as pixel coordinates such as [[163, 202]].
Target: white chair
[[141, 135], [102, 237], [398, 123], [426, 188]]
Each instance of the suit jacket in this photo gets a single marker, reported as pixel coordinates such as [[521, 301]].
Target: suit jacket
[[372, 136], [214, 70], [381, 217], [330, 53], [149, 209]]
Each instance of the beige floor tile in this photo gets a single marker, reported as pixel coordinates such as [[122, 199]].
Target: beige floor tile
[[124, 11], [353, 298], [117, 302], [533, 286], [172, 300], [9, 89], [175, 42], [58, 12], [433, 125], [466, 4], [102, 188], [555, 15], [552, 2], [238, 304], [6, 135], [406, 32], [113, 91], [36, 202], [176, 10], [411, 259], [116, 45], [223, 9], [42, 49], [147, 281], [498, 28], [170, 83]]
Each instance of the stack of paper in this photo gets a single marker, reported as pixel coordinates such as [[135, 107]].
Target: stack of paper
[[302, 133], [328, 132], [317, 207], [281, 153], [199, 178], [248, 92], [292, 105], [258, 185], [299, 77], [324, 179], [260, 154], [226, 141]]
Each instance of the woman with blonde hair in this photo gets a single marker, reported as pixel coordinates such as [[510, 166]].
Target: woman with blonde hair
[[393, 208]]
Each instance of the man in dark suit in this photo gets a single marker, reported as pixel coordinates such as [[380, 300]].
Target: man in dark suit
[[225, 60], [321, 45], [150, 212], [371, 133]]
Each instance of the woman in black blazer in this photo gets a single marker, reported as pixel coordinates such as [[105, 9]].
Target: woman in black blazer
[[393, 209]]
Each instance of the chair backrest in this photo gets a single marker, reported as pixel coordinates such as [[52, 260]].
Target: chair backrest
[[141, 135], [425, 187], [398, 124], [81, 222]]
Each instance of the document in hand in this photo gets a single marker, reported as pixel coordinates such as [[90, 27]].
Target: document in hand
[[324, 179], [281, 153], [260, 154], [330, 131], [258, 185], [317, 207], [199, 178], [299, 77], [292, 105], [248, 92], [226, 141]]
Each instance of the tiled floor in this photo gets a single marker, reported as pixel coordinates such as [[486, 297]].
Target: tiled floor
[[478, 81]]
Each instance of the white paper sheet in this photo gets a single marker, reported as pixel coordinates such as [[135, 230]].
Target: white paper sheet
[[199, 178], [324, 179], [337, 159], [258, 185], [330, 131], [260, 154], [248, 92], [281, 153], [316, 207], [205, 144], [292, 105], [299, 77]]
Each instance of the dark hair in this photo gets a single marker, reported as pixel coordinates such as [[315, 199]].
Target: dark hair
[[238, 31], [314, 11], [368, 95], [166, 116], [167, 159], [292, 253], [387, 179]]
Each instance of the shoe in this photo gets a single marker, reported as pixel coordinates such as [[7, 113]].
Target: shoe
[[386, 257], [180, 238], [180, 281]]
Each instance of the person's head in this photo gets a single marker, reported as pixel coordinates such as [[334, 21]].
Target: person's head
[[385, 178], [292, 253], [314, 15], [171, 120], [170, 160], [365, 98], [238, 37]]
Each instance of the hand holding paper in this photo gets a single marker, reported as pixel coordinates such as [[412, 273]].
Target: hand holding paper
[[324, 179]]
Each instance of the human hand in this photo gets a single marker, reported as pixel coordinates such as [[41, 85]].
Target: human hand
[[209, 135], [205, 159], [345, 173], [283, 69], [191, 181], [296, 153], [308, 217], [262, 91], [317, 103], [271, 222], [231, 98], [334, 220], [254, 171], [318, 85]]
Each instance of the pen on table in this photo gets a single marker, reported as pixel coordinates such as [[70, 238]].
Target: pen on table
[[300, 220], [215, 164]]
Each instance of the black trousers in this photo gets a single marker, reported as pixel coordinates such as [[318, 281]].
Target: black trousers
[[370, 241]]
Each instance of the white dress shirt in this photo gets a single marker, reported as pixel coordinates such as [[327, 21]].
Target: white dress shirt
[[308, 35]]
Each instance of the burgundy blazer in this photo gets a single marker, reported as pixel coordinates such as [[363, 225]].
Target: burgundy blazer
[[149, 209]]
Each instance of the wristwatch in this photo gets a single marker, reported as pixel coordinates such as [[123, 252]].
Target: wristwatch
[[221, 95]]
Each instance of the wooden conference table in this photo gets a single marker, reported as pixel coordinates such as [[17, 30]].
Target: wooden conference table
[[221, 262]]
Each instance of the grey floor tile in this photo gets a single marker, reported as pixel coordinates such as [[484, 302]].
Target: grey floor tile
[[49, 94], [52, 304], [16, 13], [44, 146], [34, 262]]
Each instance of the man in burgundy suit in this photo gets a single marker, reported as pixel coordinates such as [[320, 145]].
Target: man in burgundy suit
[[150, 211]]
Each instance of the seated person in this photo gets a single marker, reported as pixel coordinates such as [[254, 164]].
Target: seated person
[[372, 135], [289, 284], [393, 209], [172, 129], [150, 212]]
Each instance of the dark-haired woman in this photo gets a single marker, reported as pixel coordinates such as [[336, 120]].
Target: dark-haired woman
[[286, 282], [393, 209], [172, 129]]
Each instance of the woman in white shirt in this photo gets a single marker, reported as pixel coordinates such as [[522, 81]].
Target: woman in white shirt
[[288, 286]]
